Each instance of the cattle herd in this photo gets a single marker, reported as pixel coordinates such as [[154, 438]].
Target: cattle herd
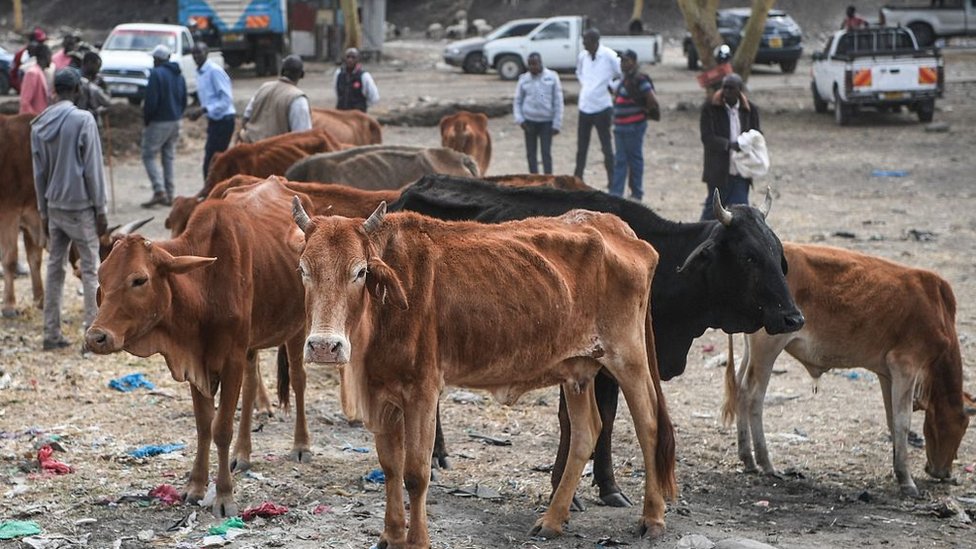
[[406, 269]]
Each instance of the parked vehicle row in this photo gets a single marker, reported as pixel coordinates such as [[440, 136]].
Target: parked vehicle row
[[781, 43], [939, 19]]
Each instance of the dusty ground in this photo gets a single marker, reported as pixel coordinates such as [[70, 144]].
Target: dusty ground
[[839, 493]]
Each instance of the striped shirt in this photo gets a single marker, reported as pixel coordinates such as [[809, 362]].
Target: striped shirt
[[626, 110]]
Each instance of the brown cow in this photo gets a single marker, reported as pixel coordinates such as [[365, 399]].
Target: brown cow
[[861, 311], [467, 132], [564, 182], [207, 301], [18, 209], [376, 167], [349, 127], [271, 156], [408, 303]]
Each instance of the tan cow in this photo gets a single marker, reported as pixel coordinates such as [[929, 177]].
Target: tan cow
[[377, 167], [861, 311], [406, 303], [349, 127], [207, 301], [467, 132], [18, 209]]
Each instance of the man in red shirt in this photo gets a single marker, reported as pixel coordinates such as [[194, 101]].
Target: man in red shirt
[[34, 93], [853, 20]]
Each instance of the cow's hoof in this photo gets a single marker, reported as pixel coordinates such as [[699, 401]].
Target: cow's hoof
[[434, 474], [441, 462], [540, 530], [301, 455], [11, 313], [909, 491], [650, 530], [577, 504], [616, 499], [225, 508], [192, 496], [239, 465]]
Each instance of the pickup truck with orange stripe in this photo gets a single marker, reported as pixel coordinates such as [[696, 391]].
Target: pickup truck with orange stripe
[[879, 67]]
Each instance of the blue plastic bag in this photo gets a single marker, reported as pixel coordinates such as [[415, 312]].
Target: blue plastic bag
[[131, 382]]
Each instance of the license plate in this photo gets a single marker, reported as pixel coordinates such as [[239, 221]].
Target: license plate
[[123, 88], [232, 37], [894, 95], [775, 42]]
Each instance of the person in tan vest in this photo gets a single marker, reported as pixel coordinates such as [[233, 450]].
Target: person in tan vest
[[278, 107]]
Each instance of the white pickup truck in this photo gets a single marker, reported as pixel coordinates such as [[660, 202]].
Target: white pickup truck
[[877, 67], [127, 57], [941, 18], [559, 40]]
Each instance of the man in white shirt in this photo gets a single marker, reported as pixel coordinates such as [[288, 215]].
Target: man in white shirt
[[596, 68]]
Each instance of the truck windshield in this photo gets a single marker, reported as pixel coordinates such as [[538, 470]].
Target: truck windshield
[[139, 40]]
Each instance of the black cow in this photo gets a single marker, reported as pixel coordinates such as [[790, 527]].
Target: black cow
[[727, 274]]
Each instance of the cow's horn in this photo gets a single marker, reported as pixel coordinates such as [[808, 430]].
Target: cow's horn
[[376, 218], [130, 227], [298, 212], [767, 203], [724, 216]]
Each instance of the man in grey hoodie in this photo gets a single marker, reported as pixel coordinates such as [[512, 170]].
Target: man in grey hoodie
[[70, 187]]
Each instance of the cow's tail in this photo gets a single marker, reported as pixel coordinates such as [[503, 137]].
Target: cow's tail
[[470, 165], [284, 379], [731, 387], [664, 453]]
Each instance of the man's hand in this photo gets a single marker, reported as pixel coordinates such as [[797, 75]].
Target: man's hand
[[555, 132], [194, 113], [101, 224]]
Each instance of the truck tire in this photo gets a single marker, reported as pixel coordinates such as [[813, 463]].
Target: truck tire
[[842, 113], [925, 110], [234, 59], [510, 67], [475, 63], [692, 59], [788, 67], [819, 103], [923, 33]]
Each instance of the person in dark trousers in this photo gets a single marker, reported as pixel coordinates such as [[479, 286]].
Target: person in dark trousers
[[596, 69], [538, 109], [216, 101], [161, 112], [70, 187], [724, 116], [633, 99], [354, 87]]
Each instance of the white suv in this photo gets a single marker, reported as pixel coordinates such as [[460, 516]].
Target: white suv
[[127, 57]]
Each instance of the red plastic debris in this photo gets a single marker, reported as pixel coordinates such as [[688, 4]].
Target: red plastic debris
[[166, 494], [969, 468], [50, 464], [265, 510], [321, 508], [708, 348]]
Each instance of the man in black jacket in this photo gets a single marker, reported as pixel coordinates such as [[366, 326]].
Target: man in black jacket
[[354, 87], [725, 115]]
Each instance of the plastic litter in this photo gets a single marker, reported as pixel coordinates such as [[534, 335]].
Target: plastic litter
[[50, 464], [130, 383], [490, 440], [375, 476], [265, 510], [970, 468], [321, 508], [155, 450], [358, 449], [166, 494], [12, 529], [889, 173], [221, 529], [476, 491]]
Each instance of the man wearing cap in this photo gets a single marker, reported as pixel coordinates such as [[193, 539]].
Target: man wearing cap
[[70, 187], [633, 99], [34, 90], [354, 87], [161, 111], [24, 54], [596, 68], [278, 107], [216, 101], [724, 116]]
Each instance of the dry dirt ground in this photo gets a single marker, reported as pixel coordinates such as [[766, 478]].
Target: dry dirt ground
[[839, 490]]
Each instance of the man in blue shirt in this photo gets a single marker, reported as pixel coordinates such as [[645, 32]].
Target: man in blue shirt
[[538, 109], [162, 110], [216, 101]]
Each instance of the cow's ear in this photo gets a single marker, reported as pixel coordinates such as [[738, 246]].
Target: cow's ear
[[384, 284], [785, 264], [296, 240], [186, 263], [698, 255]]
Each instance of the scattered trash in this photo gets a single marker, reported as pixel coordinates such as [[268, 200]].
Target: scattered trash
[[844, 234], [265, 510], [762, 503], [491, 440], [708, 348], [610, 542], [543, 468], [852, 375], [970, 468], [358, 449], [694, 541], [210, 496], [476, 491], [166, 494], [321, 508], [717, 361], [155, 450], [50, 464], [465, 397], [185, 524], [375, 476], [221, 529], [5, 381], [214, 541], [12, 529], [950, 508], [54, 541], [84, 521], [889, 173], [130, 383], [145, 535], [920, 236], [915, 440]]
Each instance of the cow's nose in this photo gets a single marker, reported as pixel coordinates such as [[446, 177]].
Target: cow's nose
[[794, 321], [98, 340], [327, 349]]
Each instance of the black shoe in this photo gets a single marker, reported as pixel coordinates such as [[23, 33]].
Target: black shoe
[[158, 199], [53, 345]]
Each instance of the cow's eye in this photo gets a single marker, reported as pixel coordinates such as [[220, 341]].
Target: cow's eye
[[361, 274], [139, 281]]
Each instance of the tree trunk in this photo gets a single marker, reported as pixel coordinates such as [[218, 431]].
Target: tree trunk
[[746, 52], [636, 26], [700, 19], [354, 33]]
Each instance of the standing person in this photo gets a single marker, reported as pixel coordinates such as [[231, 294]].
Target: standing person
[[24, 54], [161, 112], [538, 109], [62, 58], [216, 101], [633, 100], [723, 117], [93, 97], [853, 20], [34, 91], [278, 107], [596, 68], [70, 186], [354, 87]]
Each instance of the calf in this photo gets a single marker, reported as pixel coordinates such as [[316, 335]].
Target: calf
[[207, 301], [467, 132], [407, 303], [863, 311]]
